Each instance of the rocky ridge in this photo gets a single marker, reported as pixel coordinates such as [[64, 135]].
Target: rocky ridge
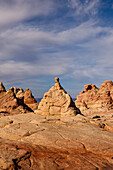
[[93, 100], [15, 100], [63, 140]]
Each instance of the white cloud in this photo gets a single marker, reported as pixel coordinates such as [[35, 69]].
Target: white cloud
[[19, 10], [81, 51]]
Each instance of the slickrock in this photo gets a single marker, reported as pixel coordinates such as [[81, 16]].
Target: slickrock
[[18, 155], [93, 100], [57, 102], [32, 141]]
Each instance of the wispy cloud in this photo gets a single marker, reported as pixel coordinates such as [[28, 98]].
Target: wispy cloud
[[82, 51], [35, 52], [85, 7], [19, 10]]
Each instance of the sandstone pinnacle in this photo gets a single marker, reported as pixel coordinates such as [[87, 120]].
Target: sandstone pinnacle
[[2, 88], [57, 102]]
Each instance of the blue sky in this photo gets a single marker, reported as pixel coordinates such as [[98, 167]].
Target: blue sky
[[42, 39]]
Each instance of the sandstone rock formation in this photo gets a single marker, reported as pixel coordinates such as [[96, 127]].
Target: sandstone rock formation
[[32, 141], [8, 101], [35, 142], [57, 102], [2, 88], [15, 100], [25, 98], [93, 99], [28, 97]]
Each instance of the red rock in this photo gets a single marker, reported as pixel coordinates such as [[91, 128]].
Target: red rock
[[93, 99], [8, 100], [12, 101], [28, 97], [15, 155]]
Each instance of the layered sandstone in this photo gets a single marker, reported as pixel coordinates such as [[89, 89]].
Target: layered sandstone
[[93, 99], [36, 142], [28, 97], [15, 100], [57, 102], [8, 101]]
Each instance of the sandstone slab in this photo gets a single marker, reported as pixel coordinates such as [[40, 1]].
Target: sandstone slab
[[18, 155], [28, 141]]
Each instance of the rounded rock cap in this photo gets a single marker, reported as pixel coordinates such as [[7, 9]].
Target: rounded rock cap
[[56, 80]]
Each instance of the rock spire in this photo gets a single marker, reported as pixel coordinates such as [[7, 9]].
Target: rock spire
[[57, 102], [2, 88]]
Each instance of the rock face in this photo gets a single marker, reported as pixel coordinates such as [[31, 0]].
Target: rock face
[[15, 100], [57, 102], [93, 99]]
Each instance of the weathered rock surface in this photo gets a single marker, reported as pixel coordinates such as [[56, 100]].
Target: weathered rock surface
[[57, 102], [57, 139], [15, 100], [8, 101], [31, 141], [93, 100], [36, 157], [26, 98]]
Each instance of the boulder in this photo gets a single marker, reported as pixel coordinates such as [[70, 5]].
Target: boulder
[[57, 102], [93, 99]]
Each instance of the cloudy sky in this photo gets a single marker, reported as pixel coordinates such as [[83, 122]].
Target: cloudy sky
[[42, 39]]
